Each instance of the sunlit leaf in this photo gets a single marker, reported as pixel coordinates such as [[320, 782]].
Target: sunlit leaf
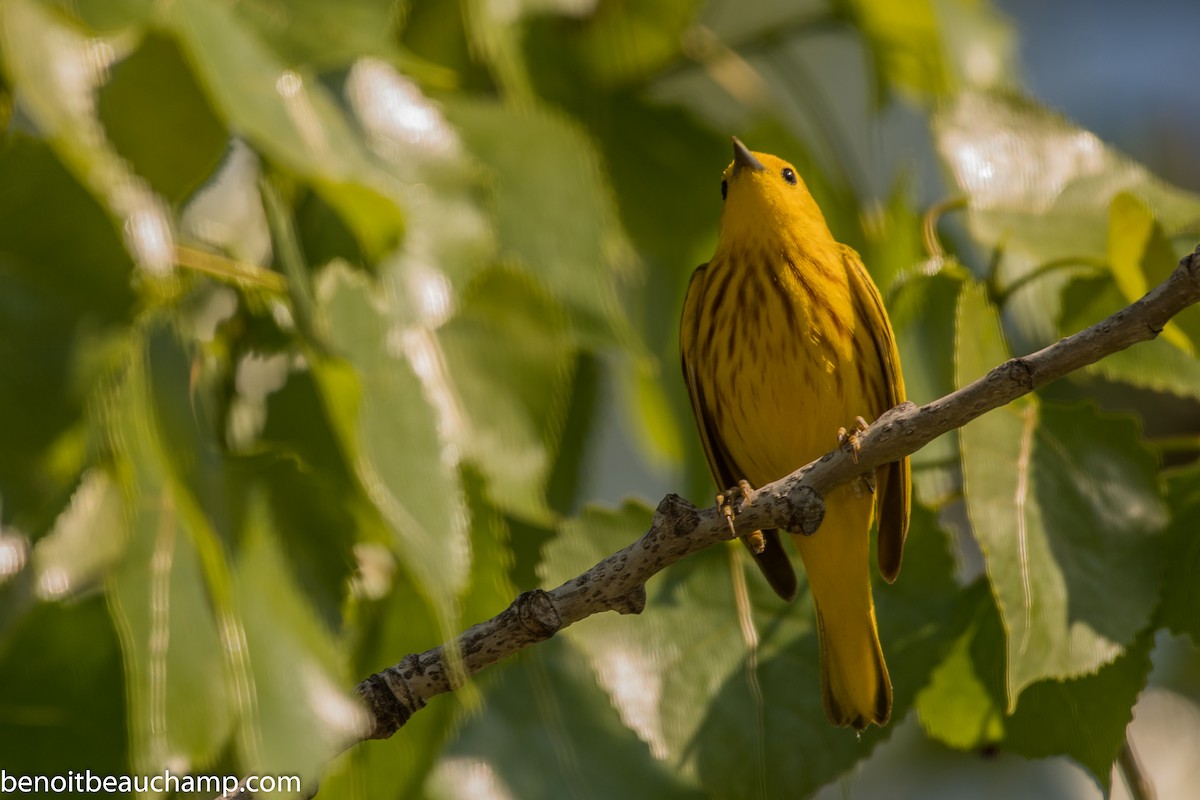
[[963, 705], [1039, 185], [1157, 364], [906, 43], [740, 717], [400, 433], [1065, 505], [1038, 190], [1141, 258], [288, 116]]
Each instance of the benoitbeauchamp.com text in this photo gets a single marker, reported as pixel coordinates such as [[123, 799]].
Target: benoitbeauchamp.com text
[[89, 782]]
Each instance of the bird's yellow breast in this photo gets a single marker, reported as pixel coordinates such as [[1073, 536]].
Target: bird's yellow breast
[[780, 358]]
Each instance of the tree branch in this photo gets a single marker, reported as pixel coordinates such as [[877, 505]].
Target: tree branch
[[791, 503]]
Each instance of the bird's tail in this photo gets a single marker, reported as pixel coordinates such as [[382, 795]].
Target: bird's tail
[[855, 685]]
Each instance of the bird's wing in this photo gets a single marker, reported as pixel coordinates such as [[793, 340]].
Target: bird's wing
[[772, 560], [892, 480]]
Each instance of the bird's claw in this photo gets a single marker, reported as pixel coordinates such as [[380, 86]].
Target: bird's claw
[[848, 440], [735, 496]]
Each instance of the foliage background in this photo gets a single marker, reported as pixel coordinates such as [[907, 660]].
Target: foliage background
[[326, 328]]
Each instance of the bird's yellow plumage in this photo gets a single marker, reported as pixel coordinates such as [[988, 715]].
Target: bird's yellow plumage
[[785, 340]]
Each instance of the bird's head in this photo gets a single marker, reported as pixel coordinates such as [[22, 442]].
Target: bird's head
[[765, 198]]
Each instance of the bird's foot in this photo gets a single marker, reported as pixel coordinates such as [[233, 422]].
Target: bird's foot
[[729, 501], [848, 440]]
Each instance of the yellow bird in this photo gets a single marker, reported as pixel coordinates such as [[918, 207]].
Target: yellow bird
[[784, 341]]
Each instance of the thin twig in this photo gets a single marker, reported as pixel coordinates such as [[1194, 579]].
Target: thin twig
[[792, 503], [1136, 779]]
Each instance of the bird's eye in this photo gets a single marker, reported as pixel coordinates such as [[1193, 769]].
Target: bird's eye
[[789, 176], [724, 189]]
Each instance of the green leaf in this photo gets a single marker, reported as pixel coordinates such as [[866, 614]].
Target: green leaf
[[1041, 186], [1141, 257], [1181, 595], [158, 119], [324, 34], [742, 718], [63, 707], [181, 701], [302, 714], [400, 433], [963, 705], [508, 354], [401, 623], [64, 301], [1156, 364], [61, 104], [922, 309], [545, 709], [1085, 718], [750, 748], [290, 118], [552, 209], [107, 15], [906, 43], [1065, 504]]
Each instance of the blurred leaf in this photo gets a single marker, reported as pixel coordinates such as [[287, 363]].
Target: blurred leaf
[[562, 232], [978, 43], [402, 623], [963, 705], [106, 15], [314, 496], [893, 248], [1181, 595], [180, 696], [906, 43], [775, 755], [302, 714], [63, 301], [288, 117], [545, 709], [61, 102], [623, 42], [1156, 364], [508, 353], [61, 673], [323, 34], [1039, 185], [87, 539], [397, 434], [1085, 718], [1141, 258], [922, 308], [1065, 504], [694, 699], [158, 119], [1039, 190]]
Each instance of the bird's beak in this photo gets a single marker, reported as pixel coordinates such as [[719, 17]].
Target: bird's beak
[[743, 158]]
